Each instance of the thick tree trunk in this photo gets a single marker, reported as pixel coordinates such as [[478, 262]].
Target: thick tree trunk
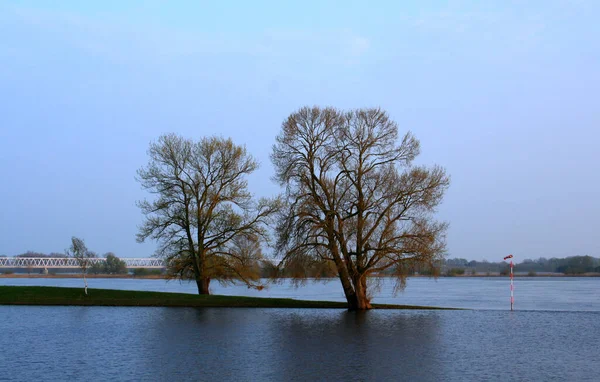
[[199, 272], [354, 302], [357, 296], [346, 284], [349, 290], [359, 300], [203, 283]]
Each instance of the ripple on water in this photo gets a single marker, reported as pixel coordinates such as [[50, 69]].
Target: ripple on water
[[100, 343]]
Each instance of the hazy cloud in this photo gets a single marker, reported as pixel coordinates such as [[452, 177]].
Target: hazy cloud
[[112, 39]]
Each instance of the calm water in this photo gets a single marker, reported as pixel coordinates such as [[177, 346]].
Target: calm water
[[172, 344], [558, 342]]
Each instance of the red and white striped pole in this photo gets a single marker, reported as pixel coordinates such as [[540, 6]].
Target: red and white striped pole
[[512, 288]]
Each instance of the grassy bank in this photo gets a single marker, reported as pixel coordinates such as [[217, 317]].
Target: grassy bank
[[30, 295]]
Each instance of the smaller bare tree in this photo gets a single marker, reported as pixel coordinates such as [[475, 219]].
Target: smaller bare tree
[[82, 255], [204, 218]]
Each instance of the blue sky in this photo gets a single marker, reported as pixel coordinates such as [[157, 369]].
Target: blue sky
[[503, 94]]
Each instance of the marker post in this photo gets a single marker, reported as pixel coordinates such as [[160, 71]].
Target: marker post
[[512, 288]]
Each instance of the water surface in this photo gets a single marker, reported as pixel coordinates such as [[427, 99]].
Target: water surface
[[214, 344]]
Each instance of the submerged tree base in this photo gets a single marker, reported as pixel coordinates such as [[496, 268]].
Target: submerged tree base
[[33, 295]]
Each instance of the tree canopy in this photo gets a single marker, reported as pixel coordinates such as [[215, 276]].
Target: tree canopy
[[354, 197], [114, 265]]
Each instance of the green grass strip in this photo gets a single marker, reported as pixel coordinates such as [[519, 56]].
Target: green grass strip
[[38, 295]]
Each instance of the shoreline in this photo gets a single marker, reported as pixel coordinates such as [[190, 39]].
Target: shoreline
[[58, 296]]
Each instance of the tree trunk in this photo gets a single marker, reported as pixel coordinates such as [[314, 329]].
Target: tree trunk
[[85, 283], [354, 301], [356, 291], [359, 300], [203, 283], [346, 284]]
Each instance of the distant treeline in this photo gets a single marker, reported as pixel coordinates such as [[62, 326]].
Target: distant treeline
[[449, 267], [568, 265], [455, 267], [39, 254]]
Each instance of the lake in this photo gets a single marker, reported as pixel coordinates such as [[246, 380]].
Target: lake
[[553, 335]]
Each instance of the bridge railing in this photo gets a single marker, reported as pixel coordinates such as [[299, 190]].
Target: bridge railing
[[64, 262]]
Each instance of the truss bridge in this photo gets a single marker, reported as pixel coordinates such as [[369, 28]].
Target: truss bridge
[[60, 262]]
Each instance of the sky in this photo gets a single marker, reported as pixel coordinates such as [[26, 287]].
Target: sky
[[503, 94]]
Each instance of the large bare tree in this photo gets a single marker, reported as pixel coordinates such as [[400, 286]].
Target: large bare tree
[[355, 198], [203, 208]]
